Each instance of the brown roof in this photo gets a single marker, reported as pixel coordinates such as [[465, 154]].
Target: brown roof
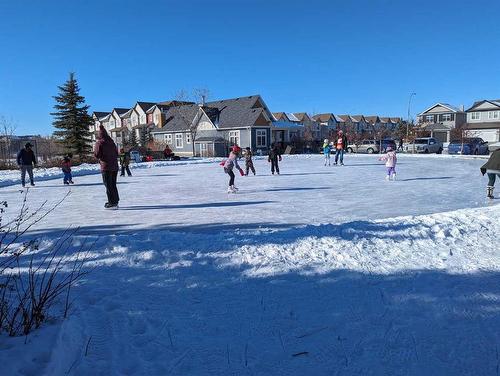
[[280, 115], [301, 115], [372, 118], [358, 118], [323, 117], [486, 125]]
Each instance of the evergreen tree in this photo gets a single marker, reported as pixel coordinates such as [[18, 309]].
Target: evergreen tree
[[132, 141], [71, 119]]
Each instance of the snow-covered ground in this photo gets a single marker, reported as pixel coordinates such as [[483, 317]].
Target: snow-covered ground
[[318, 271]]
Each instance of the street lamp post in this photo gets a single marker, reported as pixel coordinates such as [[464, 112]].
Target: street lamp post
[[408, 122]]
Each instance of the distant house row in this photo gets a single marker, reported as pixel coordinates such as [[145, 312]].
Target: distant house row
[[482, 120], [208, 129]]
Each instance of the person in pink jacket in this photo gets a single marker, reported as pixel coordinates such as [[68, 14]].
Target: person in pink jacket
[[390, 159], [229, 164]]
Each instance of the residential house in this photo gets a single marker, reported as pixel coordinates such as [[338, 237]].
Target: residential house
[[286, 128], [353, 123], [483, 120], [374, 123], [440, 119], [139, 117], [329, 124], [216, 126], [99, 118]]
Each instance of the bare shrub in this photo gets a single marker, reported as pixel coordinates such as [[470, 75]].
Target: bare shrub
[[32, 279]]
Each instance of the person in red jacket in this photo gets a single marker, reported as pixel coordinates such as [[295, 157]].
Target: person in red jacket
[[105, 150]]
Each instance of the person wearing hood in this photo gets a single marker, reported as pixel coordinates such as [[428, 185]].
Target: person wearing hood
[[106, 151], [390, 160], [326, 151], [492, 168], [26, 160]]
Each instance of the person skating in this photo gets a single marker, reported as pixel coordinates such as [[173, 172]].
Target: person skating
[[229, 164], [26, 160], [390, 160], [167, 153], [274, 157], [105, 150], [248, 161], [326, 151], [400, 147], [125, 162], [66, 169], [492, 168], [340, 147]]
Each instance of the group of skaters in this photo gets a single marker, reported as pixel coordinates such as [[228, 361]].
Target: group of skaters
[[231, 163], [107, 153]]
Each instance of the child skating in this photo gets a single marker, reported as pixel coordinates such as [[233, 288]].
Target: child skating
[[390, 159], [492, 168], [273, 158], [326, 151], [248, 161], [229, 164], [66, 169]]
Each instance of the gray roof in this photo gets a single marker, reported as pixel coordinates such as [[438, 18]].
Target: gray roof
[[146, 105], [121, 111], [225, 114], [100, 114]]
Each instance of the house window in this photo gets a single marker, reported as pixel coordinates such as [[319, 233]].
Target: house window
[[493, 114], [475, 115], [234, 137], [150, 118], [168, 139], [188, 138], [261, 138], [143, 119], [157, 118], [134, 121], [446, 117], [179, 144], [112, 124], [429, 118]]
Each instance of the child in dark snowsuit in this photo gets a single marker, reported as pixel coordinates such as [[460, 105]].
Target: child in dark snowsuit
[[273, 158], [248, 161], [125, 162], [66, 169]]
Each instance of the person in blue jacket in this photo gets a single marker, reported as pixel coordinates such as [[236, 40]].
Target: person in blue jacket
[[26, 160], [326, 151]]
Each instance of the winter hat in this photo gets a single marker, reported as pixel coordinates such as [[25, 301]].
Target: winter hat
[[236, 149], [66, 158], [28, 145], [341, 132], [248, 148], [389, 148], [325, 140]]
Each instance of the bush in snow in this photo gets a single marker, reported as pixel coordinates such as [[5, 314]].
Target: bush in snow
[[34, 277]]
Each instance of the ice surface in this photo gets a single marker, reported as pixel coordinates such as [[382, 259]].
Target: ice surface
[[318, 271]]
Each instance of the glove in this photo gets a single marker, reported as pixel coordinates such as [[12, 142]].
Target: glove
[[241, 172], [222, 163], [280, 159]]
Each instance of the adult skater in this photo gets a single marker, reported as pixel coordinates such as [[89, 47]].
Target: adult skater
[[326, 151], [340, 147], [400, 147], [125, 162], [107, 153], [248, 161], [274, 157], [231, 163], [492, 168], [26, 160]]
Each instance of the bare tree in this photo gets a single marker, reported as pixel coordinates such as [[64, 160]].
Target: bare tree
[[182, 98], [7, 129]]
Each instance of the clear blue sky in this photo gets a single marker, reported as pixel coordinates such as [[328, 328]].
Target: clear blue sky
[[308, 55]]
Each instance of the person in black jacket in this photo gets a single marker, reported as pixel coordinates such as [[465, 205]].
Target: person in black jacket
[[273, 158], [26, 160]]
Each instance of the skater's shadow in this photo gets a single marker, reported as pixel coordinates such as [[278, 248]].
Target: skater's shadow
[[196, 206], [430, 178], [295, 189], [82, 185]]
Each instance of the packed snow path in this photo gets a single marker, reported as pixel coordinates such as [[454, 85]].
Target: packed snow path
[[319, 271]]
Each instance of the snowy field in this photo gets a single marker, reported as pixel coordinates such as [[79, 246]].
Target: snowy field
[[318, 271]]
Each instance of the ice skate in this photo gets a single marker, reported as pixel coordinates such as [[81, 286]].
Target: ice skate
[[394, 177], [387, 178], [235, 188], [489, 193]]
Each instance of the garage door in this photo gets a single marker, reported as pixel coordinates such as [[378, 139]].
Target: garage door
[[490, 135]]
